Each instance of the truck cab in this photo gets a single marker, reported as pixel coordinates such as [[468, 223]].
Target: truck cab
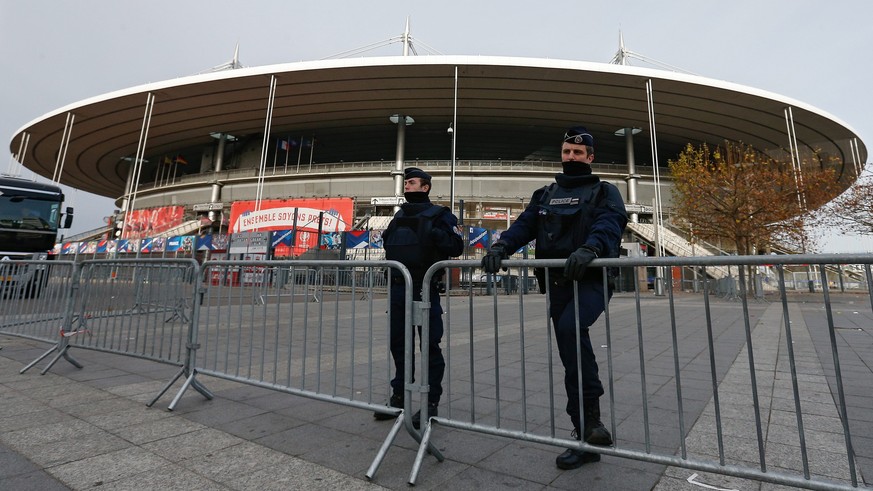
[[30, 216]]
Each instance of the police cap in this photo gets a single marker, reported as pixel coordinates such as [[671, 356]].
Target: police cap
[[411, 172], [579, 135]]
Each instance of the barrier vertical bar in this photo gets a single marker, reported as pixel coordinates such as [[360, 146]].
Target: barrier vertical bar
[[789, 344], [641, 350], [676, 371], [753, 378], [844, 417], [712, 369]]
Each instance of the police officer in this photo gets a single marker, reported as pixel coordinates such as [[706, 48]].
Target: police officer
[[420, 234], [580, 218]]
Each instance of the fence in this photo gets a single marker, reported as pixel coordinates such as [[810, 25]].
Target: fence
[[35, 301], [721, 386], [306, 328], [132, 307], [138, 308], [737, 386]]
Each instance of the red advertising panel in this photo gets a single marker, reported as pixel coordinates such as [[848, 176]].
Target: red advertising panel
[[151, 222], [278, 214]]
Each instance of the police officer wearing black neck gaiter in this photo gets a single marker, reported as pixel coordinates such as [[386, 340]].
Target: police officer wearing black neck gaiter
[[579, 218], [420, 234]]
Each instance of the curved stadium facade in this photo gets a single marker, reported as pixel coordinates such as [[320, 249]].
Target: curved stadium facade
[[344, 128]]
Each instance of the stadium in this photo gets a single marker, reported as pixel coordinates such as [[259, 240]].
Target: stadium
[[319, 146]]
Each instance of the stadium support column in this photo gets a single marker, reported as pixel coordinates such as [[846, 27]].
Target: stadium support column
[[125, 201], [215, 197], [402, 122], [632, 176]]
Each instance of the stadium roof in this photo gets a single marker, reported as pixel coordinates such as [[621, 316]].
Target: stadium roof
[[508, 108]]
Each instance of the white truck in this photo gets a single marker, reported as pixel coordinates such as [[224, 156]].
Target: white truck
[[30, 216]]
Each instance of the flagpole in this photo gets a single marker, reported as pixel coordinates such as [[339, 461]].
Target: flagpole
[[299, 154], [276, 154], [311, 152], [287, 151], [157, 175]]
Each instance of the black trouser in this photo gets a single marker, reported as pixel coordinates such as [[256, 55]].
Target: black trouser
[[437, 364], [563, 314]]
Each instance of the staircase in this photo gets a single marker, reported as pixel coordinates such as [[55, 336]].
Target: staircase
[[185, 228], [95, 234], [677, 245]]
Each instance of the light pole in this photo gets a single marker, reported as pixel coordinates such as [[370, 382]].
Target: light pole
[[402, 122], [453, 127], [451, 132]]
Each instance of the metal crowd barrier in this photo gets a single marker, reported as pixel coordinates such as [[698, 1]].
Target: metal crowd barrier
[[39, 307], [135, 307], [261, 331], [693, 381], [724, 386]]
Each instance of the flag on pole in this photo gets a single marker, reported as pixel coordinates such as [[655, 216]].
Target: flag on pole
[[180, 160]]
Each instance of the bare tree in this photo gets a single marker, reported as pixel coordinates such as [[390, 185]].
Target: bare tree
[[852, 211], [744, 197]]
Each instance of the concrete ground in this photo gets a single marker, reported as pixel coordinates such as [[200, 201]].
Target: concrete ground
[[85, 428]]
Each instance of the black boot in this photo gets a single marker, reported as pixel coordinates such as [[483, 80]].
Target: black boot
[[595, 433], [573, 459], [395, 401], [431, 411]]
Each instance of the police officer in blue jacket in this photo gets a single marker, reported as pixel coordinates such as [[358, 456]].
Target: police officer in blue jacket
[[580, 218], [420, 234]]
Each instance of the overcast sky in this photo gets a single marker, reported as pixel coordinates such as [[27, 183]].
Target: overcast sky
[[58, 52]]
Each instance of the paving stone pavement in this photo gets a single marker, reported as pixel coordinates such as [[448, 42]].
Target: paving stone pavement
[[90, 428]]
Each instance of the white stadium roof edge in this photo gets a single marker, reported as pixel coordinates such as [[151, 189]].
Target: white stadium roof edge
[[507, 108]]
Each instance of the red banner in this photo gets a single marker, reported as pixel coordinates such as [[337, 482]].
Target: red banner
[[278, 214], [153, 221]]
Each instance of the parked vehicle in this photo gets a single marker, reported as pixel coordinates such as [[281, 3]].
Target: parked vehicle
[[30, 216]]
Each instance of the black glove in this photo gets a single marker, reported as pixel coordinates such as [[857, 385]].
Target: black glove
[[578, 262], [496, 255]]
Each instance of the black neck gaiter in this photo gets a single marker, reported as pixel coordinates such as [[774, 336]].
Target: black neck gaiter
[[415, 197], [576, 168]]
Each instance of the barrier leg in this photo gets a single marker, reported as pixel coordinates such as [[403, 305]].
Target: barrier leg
[[202, 389], [423, 447], [61, 352], [178, 311], [70, 359], [166, 388], [39, 359], [188, 382], [383, 450]]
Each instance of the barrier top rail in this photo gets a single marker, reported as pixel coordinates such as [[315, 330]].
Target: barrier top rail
[[795, 259], [338, 263]]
